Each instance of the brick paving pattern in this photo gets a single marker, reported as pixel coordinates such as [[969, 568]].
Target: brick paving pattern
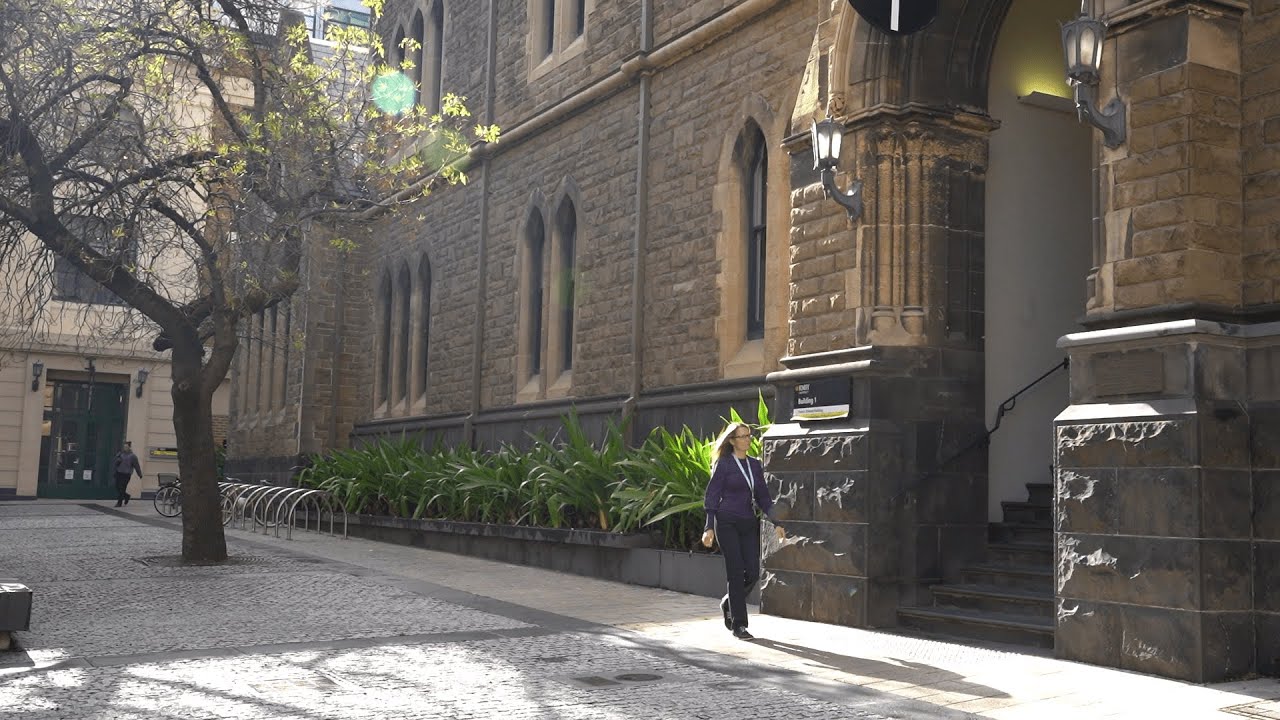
[[118, 633], [319, 628], [512, 679]]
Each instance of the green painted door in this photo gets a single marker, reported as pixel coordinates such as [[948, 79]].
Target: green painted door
[[85, 430]]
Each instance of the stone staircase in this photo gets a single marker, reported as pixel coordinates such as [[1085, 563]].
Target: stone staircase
[[1009, 598]]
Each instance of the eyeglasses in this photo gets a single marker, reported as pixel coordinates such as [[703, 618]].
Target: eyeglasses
[[741, 437]]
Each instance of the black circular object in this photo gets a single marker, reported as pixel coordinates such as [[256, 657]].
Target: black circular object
[[897, 17]]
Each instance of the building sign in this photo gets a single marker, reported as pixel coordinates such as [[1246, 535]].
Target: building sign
[[826, 399], [897, 17], [163, 453]]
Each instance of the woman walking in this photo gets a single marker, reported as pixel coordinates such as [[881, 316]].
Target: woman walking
[[735, 497]]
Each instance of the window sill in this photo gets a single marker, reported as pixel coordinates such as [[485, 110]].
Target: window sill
[[748, 362], [561, 387], [530, 391]]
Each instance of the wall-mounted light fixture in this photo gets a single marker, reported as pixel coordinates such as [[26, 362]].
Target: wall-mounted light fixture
[[143, 374], [827, 135], [37, 371], [1082, 41]]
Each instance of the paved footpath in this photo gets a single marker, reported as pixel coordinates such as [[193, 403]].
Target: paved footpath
[[320, 627]]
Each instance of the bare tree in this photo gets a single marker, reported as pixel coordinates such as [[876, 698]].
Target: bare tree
[[175, 153]]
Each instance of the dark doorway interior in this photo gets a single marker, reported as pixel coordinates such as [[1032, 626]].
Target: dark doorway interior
[[83, 430]]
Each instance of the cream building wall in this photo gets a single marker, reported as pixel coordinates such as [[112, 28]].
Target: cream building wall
[[64, 335], [148, 419], [1038, 242]]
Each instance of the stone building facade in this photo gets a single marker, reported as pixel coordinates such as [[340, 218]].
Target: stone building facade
[[649, 240]]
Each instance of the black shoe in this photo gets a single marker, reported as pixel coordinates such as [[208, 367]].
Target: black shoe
[[117, 503], [724, 610], [742, 634], [126, 498]]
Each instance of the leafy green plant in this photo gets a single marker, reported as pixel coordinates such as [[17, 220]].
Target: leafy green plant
[[563, 481], [491, 487], [666, 479], [574, 477]]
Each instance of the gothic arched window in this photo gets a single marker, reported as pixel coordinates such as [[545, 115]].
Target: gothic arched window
[[755, 175]]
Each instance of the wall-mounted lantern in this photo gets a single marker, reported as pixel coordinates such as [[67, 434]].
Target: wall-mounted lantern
[[37, 372], [143, 374], [827, 135], [1082, 41]]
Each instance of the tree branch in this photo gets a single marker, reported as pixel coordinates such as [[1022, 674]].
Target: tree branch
[[95, 130]]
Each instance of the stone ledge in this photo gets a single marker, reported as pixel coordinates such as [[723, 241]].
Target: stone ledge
[[1173, 328], [590, 553], [1119, 412], [571, 536]]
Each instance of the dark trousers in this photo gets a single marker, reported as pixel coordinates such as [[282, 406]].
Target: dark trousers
[[740, 542], [122, 484]]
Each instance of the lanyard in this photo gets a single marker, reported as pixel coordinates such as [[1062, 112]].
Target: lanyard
[[746, 473]]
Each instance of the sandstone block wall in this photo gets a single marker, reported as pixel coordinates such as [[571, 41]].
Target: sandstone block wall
[[613, 35], [1260, 135], [593, 152], [593, 155], [697, 104]]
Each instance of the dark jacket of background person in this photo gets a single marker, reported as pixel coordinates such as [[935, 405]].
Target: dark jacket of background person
[[126, 463]]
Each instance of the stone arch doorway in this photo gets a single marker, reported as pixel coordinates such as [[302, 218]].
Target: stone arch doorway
[[1006, 275], [1038, 241]]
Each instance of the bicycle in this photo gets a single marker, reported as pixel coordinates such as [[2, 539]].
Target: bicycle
[[168, 500]]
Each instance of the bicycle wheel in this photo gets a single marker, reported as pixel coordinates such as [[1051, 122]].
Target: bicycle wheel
[[228, 508], [168, 501]]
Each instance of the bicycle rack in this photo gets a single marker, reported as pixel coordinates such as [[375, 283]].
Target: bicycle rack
[[251, 499], [280, 500], [262, 507], [271, 506]]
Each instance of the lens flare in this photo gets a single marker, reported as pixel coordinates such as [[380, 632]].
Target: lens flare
[[393, 93]]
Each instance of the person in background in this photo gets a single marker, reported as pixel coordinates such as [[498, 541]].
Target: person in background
[[735, 498], [124, 466]]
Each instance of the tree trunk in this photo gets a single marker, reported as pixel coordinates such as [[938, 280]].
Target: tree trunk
[[202, 537]]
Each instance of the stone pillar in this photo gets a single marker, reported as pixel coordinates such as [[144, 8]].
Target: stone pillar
[[1263, 357], [1165, 559], [919, 244], [1171, 194], [872, 519], [892, 309], [1164, 522]]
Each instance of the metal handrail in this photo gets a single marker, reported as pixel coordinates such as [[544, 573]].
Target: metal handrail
[[1006, 407]]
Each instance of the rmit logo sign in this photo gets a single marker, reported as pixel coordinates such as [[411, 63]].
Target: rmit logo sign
[[897, 17]]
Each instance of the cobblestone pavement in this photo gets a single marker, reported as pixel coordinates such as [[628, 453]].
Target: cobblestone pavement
[[120, 632]]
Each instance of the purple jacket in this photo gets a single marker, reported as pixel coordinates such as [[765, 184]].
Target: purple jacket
[[728, 493]]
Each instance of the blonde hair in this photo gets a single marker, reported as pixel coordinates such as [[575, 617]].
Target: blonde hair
[[723, 446]]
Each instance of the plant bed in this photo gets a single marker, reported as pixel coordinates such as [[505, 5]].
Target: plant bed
[[628, 558]]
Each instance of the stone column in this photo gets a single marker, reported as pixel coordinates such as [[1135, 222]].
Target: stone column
[[872, 519], [893, 309], [1171, 194], [1164, 548], [1164, 552]]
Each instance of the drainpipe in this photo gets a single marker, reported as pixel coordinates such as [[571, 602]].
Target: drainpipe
[[642, 228], [482, 252], [339, 332]]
